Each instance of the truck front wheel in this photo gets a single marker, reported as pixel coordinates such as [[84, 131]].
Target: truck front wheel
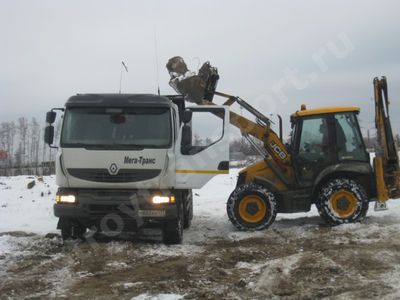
[[71, 230], [173, 229]]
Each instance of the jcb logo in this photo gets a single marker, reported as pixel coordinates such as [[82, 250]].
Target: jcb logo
[[278, 150]]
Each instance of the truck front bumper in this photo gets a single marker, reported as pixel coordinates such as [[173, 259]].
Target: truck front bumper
[[126, 210]]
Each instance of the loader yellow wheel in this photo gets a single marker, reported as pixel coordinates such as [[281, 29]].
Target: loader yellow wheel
[[252, 209], [342, 200], [343, 203]]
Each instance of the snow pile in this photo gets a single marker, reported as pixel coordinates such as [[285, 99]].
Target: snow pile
[[158, 297], [175, 251], [29, 210]]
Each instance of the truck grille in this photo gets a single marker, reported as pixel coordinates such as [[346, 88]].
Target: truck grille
[[124, 175], [101, 210]]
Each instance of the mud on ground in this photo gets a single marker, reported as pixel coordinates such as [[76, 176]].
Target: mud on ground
[[358, 261]]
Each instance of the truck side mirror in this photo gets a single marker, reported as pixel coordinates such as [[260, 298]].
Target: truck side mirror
[[186, 116], [49, 135], [186, 138], [50, 117]]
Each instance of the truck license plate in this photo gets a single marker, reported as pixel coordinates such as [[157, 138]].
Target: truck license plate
[[151, 213]]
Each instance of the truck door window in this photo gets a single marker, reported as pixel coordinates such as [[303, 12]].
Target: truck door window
[[348, 138], [207, 129]]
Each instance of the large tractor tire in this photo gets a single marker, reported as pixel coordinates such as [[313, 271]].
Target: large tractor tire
[[251, 207], [342, 201]]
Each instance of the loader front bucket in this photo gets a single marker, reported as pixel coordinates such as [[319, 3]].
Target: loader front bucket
[[194, 86]]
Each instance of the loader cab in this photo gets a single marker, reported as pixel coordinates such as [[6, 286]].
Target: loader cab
[[322, 138]]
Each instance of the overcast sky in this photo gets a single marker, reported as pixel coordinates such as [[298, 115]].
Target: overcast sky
[[274, 54]]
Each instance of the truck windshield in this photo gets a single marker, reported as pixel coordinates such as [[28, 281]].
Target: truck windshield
[[117, 128]]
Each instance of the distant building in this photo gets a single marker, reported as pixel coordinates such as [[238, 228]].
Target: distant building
[[3, 158], [3, 155]]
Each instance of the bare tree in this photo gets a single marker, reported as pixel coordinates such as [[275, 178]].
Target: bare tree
[[34, 133], [24, 144], [18, 156], [241, 145], [7, 136], [22, 128]]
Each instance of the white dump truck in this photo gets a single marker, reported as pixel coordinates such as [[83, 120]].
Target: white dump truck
[[126, 162]]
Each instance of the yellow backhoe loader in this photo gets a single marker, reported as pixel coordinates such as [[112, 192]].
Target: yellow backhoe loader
[[325, 163]]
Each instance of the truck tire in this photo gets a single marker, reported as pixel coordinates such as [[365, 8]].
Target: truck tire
[[71, 230], [342, 200], [173, 229], [188, 216], [66, 232], [251, 207]]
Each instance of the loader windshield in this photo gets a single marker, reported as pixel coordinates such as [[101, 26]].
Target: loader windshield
[[117, 128]]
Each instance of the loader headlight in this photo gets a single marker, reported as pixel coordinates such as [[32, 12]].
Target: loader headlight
[[65, 198], [163, 199]]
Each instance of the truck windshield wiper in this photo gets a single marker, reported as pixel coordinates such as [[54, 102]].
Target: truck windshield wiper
[[105, 146], [155, 146], [115, 147]]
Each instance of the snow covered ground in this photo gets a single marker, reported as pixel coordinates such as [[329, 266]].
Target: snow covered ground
[[298, 257]]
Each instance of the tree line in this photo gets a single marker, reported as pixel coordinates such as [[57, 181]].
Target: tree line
[[22, 145]]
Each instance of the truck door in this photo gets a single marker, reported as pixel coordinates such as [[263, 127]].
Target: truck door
[[202, 149]]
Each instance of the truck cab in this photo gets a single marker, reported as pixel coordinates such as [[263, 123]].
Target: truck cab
[[126, 162]]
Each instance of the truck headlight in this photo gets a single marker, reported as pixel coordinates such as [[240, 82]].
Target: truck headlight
[[163, 199], [65, 198]]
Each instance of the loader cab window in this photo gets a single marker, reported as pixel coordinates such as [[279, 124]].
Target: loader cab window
[[207, 128], [349, 141], [314, 149]]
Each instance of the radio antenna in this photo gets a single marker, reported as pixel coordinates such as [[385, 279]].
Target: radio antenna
[[123, 66], [156, 59]]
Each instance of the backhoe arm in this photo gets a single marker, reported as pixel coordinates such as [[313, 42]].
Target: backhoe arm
[[386, 162]]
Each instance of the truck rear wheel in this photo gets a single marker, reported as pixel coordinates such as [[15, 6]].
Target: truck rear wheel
[[342, 200], [251, 207], [173, 229], [188, 216]]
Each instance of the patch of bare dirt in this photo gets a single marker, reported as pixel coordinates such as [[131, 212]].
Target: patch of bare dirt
[[285, 262]]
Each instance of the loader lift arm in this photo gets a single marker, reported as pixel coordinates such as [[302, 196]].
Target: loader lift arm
[[261, 129], [274, 151], [386, 162], [200, 89]]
